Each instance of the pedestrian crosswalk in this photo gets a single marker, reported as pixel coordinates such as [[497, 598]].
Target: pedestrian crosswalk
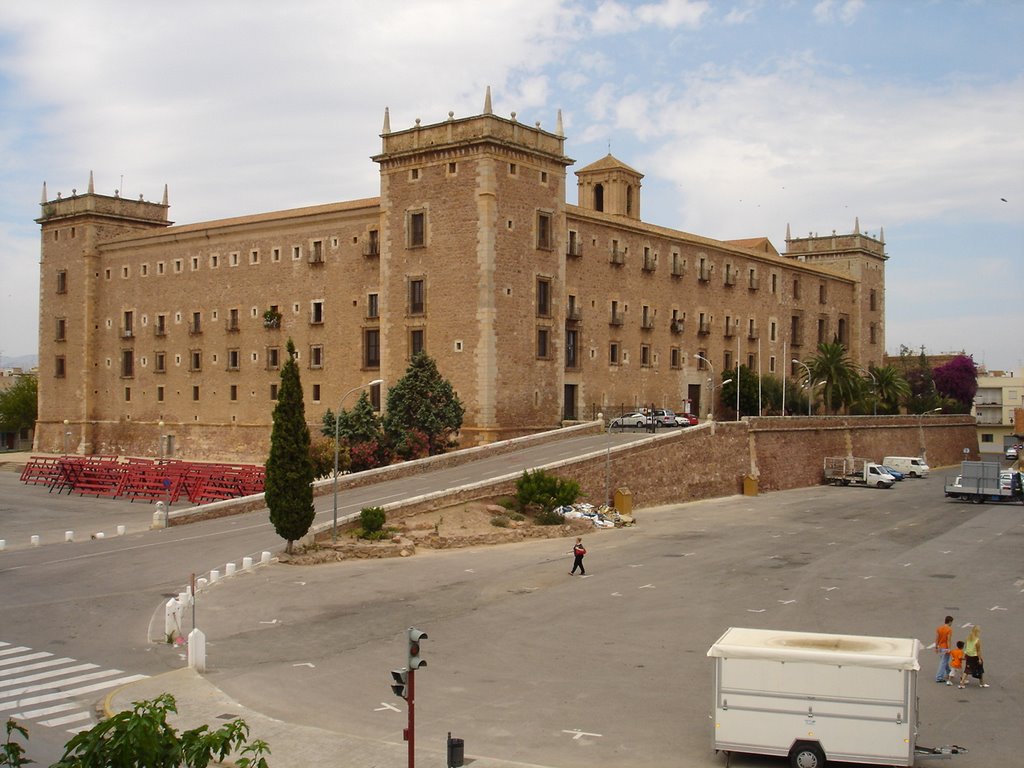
[[54, 691]]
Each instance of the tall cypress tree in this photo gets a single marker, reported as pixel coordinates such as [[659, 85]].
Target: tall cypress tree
[[288, 488]]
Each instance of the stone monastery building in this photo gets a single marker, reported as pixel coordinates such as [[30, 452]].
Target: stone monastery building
[[538, 311]]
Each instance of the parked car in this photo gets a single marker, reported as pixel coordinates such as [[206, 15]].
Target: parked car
[[687, 420], [664, 417], [1011, 453], [635, 419], [894, 472]]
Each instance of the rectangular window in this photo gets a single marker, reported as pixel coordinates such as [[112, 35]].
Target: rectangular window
[[417, 229], [372, 305], [775, 283], [159, 267], [195, 360], [544, 230], [275, 254], [645, 356], [316, 393], [316, 356], [195, 393], [542, 342], [371, 348], [127, 363], [254, 257], [316, 256], [822, 294], [233, 392], [417, 299], [571, 344], [127, 394], [273, 391], [273, 358], [573, 247], [160, 362], [160, 329], [62, 281], [675, 358], [372, 246], [232, 326], [543, 297], [296, 252], [417, 341], [177, 266], [214, 260], [196, 326], [771, 364], [613, 353], [60, 333], [317, 313], [160, 394], [727, 361], [234, 358], [872, 334], [873, 296], [773, 330], [796, 288]]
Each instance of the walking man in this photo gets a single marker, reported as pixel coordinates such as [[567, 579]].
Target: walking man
[[578, 551], [943, 636]]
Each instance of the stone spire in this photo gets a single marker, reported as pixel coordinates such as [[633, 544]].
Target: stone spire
[[92, 188], [487, 102], [43, 201], [387, 121], [788, 236], [881, 234], [856, 225], [559, 130], [164, 203]]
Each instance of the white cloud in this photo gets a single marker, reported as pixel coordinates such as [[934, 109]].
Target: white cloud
[[845, 11], [612, 17]]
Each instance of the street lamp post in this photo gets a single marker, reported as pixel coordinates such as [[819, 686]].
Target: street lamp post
[[337, 420], [67, 434], [162, 439], [920, 430], [711, 391], [810, 389], [874, 389]]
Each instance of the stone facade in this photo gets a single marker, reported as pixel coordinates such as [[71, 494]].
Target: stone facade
[[157, 338]]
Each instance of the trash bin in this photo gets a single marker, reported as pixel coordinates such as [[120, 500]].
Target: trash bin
[[456, 752], [750, 486], [623, 502]]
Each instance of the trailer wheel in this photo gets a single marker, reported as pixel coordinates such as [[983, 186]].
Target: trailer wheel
[[806, 754]]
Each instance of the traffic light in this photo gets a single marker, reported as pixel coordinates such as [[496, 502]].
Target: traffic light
[[415, 636], [401, 678]]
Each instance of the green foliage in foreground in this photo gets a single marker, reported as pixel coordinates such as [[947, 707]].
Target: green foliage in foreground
[[541, 493], [142, 738]]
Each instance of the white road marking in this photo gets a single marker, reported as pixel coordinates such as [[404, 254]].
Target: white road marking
[[578, 734], [305, 664], [269, 622], [787, 602], [830, 589], [646, 586], [7, 706], [616, 594], [997, 608], [384, 706]]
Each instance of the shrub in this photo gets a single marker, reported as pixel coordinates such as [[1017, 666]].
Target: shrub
[[500, 521], [372, 519], [549, 517], [539, 490]]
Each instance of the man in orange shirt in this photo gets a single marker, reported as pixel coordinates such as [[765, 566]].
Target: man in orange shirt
[[943, 638]]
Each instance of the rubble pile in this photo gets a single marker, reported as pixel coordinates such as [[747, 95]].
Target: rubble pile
[[602, 516]]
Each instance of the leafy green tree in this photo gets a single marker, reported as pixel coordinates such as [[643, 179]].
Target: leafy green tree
[[747, 383], [321, 454], [288, 487], [424, 402], [142, 738], [540, 492], [19, 404], [957, 380], [361, 435], [12, 754]]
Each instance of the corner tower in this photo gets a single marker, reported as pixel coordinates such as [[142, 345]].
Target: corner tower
[[472, 258], [72, 275]]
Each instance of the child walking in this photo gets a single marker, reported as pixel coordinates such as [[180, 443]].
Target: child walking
[[956, 664]]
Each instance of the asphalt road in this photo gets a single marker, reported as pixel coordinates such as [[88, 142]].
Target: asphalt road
[[530, 664]]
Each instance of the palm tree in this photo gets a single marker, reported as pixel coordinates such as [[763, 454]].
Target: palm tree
[[842, 385], [891, 387]]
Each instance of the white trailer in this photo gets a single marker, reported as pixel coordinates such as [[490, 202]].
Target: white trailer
[[814, 697], [849, 470]]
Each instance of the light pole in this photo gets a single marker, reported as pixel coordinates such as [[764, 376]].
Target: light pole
[[607, 460], [711, 391], [874, 389], [920, 430], [337, 421], [67, 434], [809, 388], [161, 425]]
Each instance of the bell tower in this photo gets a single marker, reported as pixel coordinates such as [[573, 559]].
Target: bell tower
[[610, 186]]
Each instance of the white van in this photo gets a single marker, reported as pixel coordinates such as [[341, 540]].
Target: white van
[[911, 466]]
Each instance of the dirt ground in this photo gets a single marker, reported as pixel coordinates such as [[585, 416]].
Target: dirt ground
[[461, 525]]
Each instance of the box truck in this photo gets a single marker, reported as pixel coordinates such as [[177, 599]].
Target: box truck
[[847, 470], [816, 697], [981, 481]]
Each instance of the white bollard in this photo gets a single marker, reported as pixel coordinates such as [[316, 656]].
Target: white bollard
[[246, 563], [201, 584], [172, 620], [100, 535], [3, 544], [69, 535], [159, 517], [229, 569], [34, 540], [197, 650], [120, 530], [265, 558], [214, 576]]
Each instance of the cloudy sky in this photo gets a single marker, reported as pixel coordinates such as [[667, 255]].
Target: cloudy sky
[[745, 116]]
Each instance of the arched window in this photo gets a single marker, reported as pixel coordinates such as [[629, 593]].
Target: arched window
[[599, 197]]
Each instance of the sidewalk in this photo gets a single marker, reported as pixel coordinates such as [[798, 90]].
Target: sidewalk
[[291, 745]]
